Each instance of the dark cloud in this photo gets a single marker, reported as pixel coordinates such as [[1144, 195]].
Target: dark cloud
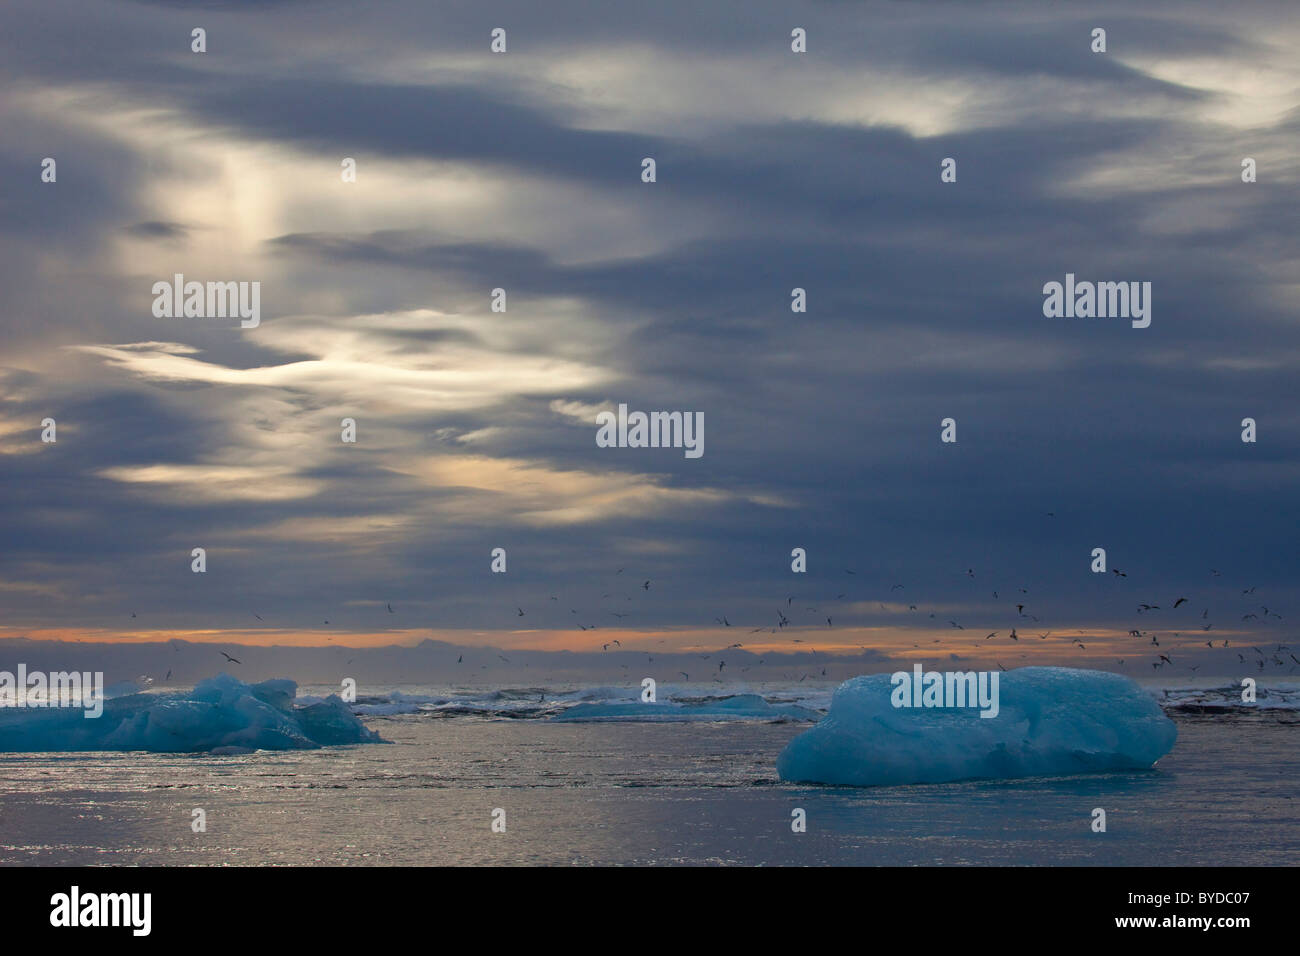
[[157, 230], [822, 429]]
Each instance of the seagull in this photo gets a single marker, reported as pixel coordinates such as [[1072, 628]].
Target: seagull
[[520, 610], [229, 658], [646, 586], [390, 609], [1118, 573], [1181, 600]]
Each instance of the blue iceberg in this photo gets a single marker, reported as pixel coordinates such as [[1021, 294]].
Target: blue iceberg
[[739, 707], [220, 715], [1049, 721]]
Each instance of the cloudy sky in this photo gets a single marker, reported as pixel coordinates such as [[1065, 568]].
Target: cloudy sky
[[522, 170]]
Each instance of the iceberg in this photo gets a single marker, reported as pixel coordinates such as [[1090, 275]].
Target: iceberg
[[220, 715], [740, 707], [1051, 720]]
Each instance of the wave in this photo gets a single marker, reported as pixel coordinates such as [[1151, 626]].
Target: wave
[[756, 702]]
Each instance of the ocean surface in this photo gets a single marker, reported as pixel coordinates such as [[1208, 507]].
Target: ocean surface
[[677, 791]]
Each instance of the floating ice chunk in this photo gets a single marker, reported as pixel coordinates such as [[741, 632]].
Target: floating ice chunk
[[740, 707], [220, 715], [1051, 720]]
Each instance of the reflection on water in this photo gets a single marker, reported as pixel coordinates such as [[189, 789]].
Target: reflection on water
[[636, 793]]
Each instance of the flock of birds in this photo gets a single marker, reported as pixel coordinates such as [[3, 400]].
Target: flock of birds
[[1193, 630]]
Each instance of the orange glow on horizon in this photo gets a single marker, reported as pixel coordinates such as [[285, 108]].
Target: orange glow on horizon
[[893, 642]]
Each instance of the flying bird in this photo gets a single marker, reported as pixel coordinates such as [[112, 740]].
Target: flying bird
[[229, 658]]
